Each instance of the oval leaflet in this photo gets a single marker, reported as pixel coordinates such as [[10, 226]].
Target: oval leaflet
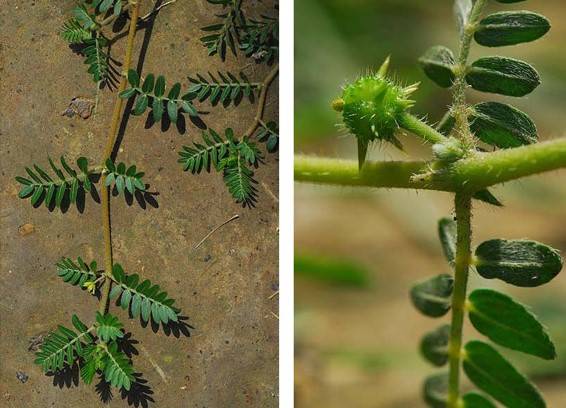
[[511, 27], [502, 125], [508, 323], [519, 262], [504, 76]]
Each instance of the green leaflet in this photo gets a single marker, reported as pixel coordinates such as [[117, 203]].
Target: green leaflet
[[432, 296], [502, 125], [505, 76], [509, 1], [518, 262], [108, 327], [447, 235], [434, 346], [438, 63], [435, 390], [491, 373], [511, 27], [474, 400], [509, 323]]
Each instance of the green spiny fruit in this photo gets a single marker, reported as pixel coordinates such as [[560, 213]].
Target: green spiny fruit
[[371, 107]]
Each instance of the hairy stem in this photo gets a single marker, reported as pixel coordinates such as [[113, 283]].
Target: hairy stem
[[479, 171], [463, 204], [462, 265], [419, 128], [111, 139], [459, 107], [261, 102]]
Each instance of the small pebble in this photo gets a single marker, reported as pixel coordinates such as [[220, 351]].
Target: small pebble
[[23, 377], [26, 229]]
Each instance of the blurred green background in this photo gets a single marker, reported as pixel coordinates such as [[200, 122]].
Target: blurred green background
[[358, 251]]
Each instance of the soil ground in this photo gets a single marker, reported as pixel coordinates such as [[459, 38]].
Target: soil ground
[[224, 287]]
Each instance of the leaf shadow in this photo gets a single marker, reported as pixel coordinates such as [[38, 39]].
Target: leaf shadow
[[67, 377]]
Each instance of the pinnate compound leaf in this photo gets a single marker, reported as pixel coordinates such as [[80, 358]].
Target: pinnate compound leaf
[[76, 273], [438, 63], [88, 371], [511, 27], [504, 76], [84, 18], [434, 346], [475, 400], [432, 296], [124, 178], [63, 346], [118, 370], [203, 156], [108, 327], [73, 32], [225, 88], [494, 375], [239, 178], [518, 262], [269, 133], [145, 297], [502, 125], [509, 323], [435, 390], [447, 233], [52, 189]]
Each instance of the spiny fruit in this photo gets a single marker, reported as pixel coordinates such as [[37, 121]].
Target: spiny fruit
[[371, 107]]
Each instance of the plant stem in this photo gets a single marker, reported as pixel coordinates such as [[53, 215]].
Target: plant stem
[[419, 128], [474, 173], [339, 172], [463, 204], [111, 139], [459, 107], [261, 102]]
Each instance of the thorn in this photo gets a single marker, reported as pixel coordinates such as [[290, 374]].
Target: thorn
[[397, 143], [411, 88], [362, 152], [384, 67]]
